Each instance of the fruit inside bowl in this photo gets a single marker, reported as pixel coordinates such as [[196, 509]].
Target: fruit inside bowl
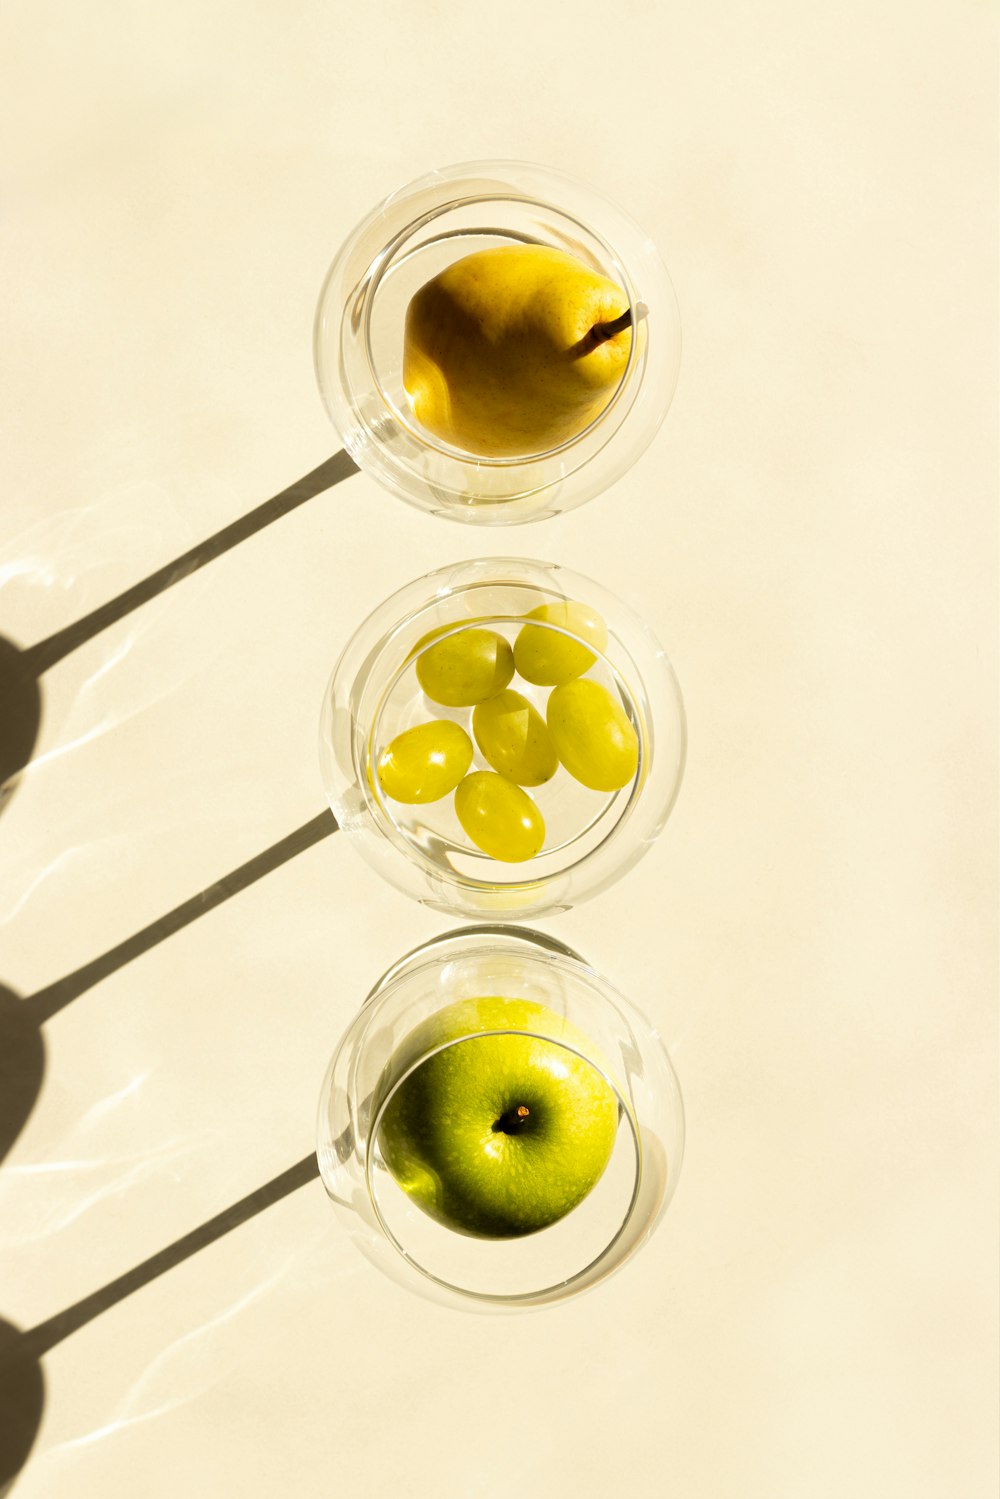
[[507, 739], [499, 1127], [514, 350], [497, 343], [502, 737]]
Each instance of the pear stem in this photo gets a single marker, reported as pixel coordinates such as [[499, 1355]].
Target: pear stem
[[601, 332], [513, 1121]]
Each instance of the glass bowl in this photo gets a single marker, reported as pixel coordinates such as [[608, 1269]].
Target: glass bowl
[[412, 237], [591, 837], [373, 1059]]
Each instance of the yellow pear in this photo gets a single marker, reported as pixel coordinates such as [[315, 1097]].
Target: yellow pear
[[514, 350]]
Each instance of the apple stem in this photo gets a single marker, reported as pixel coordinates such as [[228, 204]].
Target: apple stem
[[601, 332], [513, 1121]]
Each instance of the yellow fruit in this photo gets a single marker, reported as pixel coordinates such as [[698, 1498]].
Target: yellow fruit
[[547, 658], [504, 351], [593, 736], [425, 763], [514, 739], [466, 668], [499, 817]]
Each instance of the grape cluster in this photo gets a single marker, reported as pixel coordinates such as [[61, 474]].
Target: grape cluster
[[585, 729]]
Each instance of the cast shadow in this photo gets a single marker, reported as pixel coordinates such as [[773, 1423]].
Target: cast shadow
[[22, 1380], [22, 666], [22, 1046]]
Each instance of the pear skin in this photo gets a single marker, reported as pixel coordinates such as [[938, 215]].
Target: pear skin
[[497, 357]]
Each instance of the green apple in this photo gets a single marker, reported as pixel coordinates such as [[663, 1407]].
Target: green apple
[[498, 1135]]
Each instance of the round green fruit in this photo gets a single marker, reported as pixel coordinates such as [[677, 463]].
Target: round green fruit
[[499, 817], [547, 657], [425, 763], [593, 735], [512, 736], [501, 1134], [464, 669]]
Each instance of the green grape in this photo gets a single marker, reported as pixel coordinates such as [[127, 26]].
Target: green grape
[[547, 658], [593, 735], [513, 738], [466, 668], [425, 763], [499, 817]]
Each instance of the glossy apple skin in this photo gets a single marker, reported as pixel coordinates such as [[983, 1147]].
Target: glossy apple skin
[[442, 1134]]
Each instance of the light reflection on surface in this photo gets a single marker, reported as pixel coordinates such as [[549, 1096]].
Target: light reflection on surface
[[61, 566], [198, 1360], [66, 1199], [52, 576], [105, 1105], [120, 682], [35, 881], [56, 753]]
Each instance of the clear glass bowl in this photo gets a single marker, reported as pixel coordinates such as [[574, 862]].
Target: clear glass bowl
[[412, 237], [371, 1061], [592, 837]]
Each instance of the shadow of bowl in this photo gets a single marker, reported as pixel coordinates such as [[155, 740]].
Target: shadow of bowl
[[22, 1400], [20, 715], [22, 1065]]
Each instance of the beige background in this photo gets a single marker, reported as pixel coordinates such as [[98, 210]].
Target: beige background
[[813, 537]]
